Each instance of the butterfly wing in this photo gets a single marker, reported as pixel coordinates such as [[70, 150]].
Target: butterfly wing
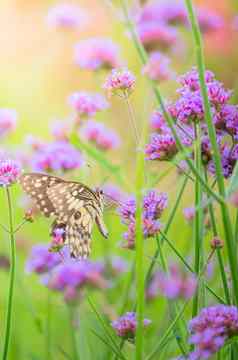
[[77, 208], [36, 186]]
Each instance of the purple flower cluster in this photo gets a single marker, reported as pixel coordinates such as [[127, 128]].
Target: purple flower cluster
[[125, 326], [154, 204], [8, 119], [211, 328], [119, 80], [71, 277], [41, 260], [97, 53], [157, 67], [176, 284], [10, 170], [99, 135], [87, 104], [187, 110], [65, 15], [113, 193], [57, 156]]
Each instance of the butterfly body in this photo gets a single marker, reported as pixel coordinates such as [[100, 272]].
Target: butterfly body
[[74, 206]]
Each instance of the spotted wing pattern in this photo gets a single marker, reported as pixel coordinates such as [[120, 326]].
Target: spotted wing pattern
[[74, 205]]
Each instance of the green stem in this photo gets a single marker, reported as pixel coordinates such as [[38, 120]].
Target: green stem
[[12, 279], [48, 328], [73, 332], [232, 256], [167, 227], [132, 118], [198, 217]]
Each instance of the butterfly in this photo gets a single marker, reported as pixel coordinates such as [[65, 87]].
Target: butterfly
[[74, 207]]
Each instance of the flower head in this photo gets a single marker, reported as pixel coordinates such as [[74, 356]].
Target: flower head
[[65, 15], [211, 328], [97, 53], [60, 130], [176, 284], [157, 67], [119, 80], [10, 170], [8, 119], [208, 20], [161, 147], [100, 135], [41, 260], [71, 277], [155, 35], [87, 104], [57, 156], [125, 326]]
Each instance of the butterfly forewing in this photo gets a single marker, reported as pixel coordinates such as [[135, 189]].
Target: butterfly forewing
[[74, 205]]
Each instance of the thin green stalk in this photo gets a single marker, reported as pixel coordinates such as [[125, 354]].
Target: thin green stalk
[[73, 333], [12, 279], [132, 118], [232, 256], [140, 279], [198, 217], [167, 226], [236, 230], [48, 328]]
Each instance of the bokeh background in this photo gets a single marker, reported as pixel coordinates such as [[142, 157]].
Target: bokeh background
[[37, 73]]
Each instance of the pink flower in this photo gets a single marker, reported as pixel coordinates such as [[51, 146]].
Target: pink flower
[[66, 15], [189, 213], [10, 170], [157, 67], [100, 135], [87, 104], [60, 130], [125, 326], [161, 147], [120, 79], [8, 119], [97, 53]]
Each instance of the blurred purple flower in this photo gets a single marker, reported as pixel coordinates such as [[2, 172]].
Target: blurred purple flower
[[97, 53], [8, 120], [119, 79], [157, 67], [161, 147], [113, 192], [211, 328], [125, 326], [10, 170], [155, 35], [60, 130], [87, 104], [209, 20], [41, 260], [71, 277], [100, 135], [189, 213], [176, 284], [119, 265], [235, 22], [57, 156], [66, 15]]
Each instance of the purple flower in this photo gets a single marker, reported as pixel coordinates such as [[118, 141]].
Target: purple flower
[[157, 67], [113, 193], [60, 130], [228, 119], [158, 123], [119, 265], [97, 53], [235, 22], [208, 20], [155, 35], [189, 213], [120, 79], [154, 203], [100, 135], [211, 328], [72, 276], [8, 119], [66, 15], [57, 156], [87, 104], [41, 260], [125, 326], [189, 107], [176, 284], [10, 170], [127, 210], [161, 147], [190, 80]]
